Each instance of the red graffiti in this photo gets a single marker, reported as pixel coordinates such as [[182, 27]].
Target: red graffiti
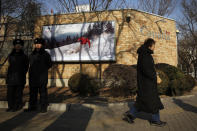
[[168, 33], [84, 41]]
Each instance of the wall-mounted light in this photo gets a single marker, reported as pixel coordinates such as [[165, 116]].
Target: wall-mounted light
[[177, 31], [128, 18]]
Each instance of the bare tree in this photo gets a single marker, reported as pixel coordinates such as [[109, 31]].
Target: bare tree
[[18, 11], [65, 6], [28, 17], [160, 7], [187, 53], [189, 23], [17, 17], [9, 14], [188, 39], [187, 50]]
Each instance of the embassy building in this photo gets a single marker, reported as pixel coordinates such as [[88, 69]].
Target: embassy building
[[109, 37]]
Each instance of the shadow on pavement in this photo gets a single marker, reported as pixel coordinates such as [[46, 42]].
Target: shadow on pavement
[[185, 106], [17, 121], [76, 118], [60, 95]]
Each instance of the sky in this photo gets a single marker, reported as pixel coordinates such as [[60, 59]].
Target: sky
[[176, 15]]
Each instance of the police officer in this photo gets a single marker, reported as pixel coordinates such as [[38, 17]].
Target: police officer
[[16, 76], [40, 62]]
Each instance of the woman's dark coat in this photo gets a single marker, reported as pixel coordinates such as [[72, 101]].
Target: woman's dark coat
[[40, 62], [147, 96], [18, 66]]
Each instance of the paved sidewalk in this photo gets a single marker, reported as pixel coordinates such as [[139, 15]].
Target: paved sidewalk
[[179, 112]]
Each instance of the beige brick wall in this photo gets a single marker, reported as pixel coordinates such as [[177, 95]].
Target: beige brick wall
[[129, 36]]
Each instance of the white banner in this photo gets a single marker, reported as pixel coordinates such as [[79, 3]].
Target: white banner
[[81, 42]]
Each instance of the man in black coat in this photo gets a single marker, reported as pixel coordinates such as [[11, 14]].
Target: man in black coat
[[40, 62], [147, 96], [16, 76]]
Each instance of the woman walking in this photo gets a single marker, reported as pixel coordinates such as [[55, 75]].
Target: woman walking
[[147, 96]]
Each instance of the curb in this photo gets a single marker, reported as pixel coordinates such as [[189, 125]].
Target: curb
[[66, 107], [177, 97]]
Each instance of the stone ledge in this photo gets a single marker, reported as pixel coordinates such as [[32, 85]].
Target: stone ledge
[[66, 107], [51, 82]]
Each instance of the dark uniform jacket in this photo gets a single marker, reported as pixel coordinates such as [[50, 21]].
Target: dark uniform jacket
[[18, 66], [40, 62], [147, 96]]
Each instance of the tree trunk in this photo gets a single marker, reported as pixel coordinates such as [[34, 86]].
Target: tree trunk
[[187, 70]]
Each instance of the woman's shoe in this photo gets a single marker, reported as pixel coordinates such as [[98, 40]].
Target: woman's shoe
[[128, 117], [158, 123]]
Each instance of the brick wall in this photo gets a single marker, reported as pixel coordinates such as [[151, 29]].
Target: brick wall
[[129, 36]]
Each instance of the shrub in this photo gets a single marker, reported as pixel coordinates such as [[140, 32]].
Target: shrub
[[74, 81], [121, 79], [178, 82], [190, 82], [83, 84], [181, 85], [171, 71], [163, 87], [119, 87], [177, 86]]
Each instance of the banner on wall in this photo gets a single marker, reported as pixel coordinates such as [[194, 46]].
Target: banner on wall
[[81, 42]]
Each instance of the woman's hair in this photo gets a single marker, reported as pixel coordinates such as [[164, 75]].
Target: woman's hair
[[149, 42]]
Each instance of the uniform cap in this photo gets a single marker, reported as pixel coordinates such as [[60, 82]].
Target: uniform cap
[[39, 41], [18, 41]]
